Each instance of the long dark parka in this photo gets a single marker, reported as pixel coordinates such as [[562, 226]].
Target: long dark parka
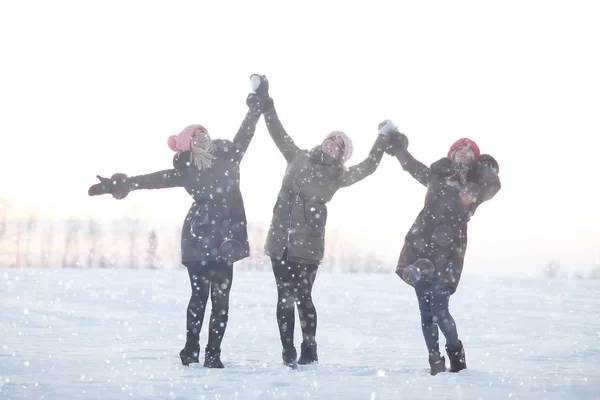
[[432, 257], [214, 233], [217, 213], [439, 233]]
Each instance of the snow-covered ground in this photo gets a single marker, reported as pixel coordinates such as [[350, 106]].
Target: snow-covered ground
[[115, 334]]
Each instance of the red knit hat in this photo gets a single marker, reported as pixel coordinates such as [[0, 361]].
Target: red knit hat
[[464, 142]]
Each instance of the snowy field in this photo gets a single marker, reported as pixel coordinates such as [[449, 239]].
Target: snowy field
[[116, 334]]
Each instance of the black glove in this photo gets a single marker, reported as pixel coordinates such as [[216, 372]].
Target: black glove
[[482, 167], [442, 168], [396, 143], [117, 185], [487, 161], [182, 160]]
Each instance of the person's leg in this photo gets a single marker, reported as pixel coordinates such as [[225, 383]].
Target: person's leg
[[195, 313], [445, 321], [303, 285], [285, 308], [429, 327], [220, 276]]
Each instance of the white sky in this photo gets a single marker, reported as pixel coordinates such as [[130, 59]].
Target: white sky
[[92, 88]]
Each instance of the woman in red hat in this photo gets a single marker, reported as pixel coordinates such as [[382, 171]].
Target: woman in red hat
[[214, 234], [434, 249]]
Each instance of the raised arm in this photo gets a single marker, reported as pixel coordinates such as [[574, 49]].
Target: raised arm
[[245, 133], [366, 167], [167, 178], [488, 180], [416, 168], [282, 140], [119, 185], [397, 147]]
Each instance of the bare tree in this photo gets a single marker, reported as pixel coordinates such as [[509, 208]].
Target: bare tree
[[133, 231], [595, 273], [551, 270], [18, 243], [3, 228], [47, 245], [31, 224], [71, 243], [152, 258], [94, 235]]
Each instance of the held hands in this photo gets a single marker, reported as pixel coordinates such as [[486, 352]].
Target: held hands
[[260, 85], [260, 89], [116, 185], [396, 141], [469, 193]]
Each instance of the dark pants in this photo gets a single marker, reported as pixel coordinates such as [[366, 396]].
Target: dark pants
[[294, 287], [434, 298], [214, 278]]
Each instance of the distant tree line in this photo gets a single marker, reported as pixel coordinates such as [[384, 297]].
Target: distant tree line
[[129, 242], [554, 270]]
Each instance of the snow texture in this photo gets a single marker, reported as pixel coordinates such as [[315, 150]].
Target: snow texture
[[115, 334]]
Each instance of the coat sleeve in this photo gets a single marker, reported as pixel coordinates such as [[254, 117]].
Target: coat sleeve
[[486, 178], [157, 180], [282, 140], [244, 135], [489, 185], [417, 169], [365, 168]]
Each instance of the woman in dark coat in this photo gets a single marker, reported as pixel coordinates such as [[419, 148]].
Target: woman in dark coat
[[434, 249], [214, 234], [296, 237]]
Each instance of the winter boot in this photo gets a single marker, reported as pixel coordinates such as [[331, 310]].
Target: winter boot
[[190, 353], [308, 353], [289, 356], [212, 358], [457, 357], [437, 363]]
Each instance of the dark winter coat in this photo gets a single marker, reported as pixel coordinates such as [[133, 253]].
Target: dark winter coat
[[300, 212], [439, 234], [215, 225]]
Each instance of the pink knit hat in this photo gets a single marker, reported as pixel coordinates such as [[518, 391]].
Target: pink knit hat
[[344, 141], [183, 141]]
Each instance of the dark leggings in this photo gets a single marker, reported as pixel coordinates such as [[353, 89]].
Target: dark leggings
[[213, 278], [294, 286], [434, 299]]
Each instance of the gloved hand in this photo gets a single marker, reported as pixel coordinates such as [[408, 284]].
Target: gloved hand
[[182, 160], [386, 127], [468, 193], [442, 168], [396, 141], [483, 167], [116, 185], [260, 86]]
